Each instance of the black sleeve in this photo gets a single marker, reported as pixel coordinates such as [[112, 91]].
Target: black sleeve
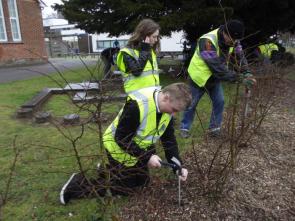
[[126, 130], [134, 66], [169, 143], [106, 53], [111, 58]]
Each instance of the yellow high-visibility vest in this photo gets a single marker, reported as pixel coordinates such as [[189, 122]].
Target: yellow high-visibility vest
[[147, 133], [149, 76], [198, 69], [267, 49]]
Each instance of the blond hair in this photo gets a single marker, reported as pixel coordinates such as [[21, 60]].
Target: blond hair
[[179, 92]]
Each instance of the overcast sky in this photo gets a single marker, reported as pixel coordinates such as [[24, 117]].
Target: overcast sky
[[47, 9]]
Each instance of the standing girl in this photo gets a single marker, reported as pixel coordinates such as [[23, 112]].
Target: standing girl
[[138, 61]]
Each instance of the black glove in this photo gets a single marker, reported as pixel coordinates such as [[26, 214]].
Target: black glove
[[145, 46]]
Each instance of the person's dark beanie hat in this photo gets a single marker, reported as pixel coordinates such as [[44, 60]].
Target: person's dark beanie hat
[[235, 29]]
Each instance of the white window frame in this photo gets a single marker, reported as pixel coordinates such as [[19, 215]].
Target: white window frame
[[3, 22], [17, 21]]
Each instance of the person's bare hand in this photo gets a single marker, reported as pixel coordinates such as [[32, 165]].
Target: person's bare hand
[[154, 161], [147, 40], [184, 174]]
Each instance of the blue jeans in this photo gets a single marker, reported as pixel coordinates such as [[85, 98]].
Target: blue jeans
[[216, 95]]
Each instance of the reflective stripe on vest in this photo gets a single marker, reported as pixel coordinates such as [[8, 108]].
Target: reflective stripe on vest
[[149, 76], [147, 132], [198, 69]]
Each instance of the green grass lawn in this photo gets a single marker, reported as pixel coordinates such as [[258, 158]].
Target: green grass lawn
[[46, 158]]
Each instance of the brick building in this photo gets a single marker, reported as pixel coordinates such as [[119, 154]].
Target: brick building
[[21, 32]]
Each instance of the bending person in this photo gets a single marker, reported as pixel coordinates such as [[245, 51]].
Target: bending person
[[208, 68], [130, 143]]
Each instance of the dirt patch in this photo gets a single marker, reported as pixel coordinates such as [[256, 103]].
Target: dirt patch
[[261, 188]]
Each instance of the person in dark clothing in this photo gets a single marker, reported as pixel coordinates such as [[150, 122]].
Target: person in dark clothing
[[116, 44], [208, 68], [107, 56], [130, 143]]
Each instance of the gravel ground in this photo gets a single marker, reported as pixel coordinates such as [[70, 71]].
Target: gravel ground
[[262, 187]]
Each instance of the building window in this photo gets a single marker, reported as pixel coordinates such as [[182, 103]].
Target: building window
[[103, 44], [3, 36], [100, 45], [14, 21], [122, 43]]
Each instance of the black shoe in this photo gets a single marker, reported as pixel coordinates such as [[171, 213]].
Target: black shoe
[[72, 188]]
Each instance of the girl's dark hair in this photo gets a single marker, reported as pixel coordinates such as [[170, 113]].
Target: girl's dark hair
[[146, 27]]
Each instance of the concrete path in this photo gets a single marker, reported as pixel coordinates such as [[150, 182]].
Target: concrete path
[[9, 74]]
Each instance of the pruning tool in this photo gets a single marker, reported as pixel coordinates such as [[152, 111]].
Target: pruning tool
[[176, 165], [247, 96]]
